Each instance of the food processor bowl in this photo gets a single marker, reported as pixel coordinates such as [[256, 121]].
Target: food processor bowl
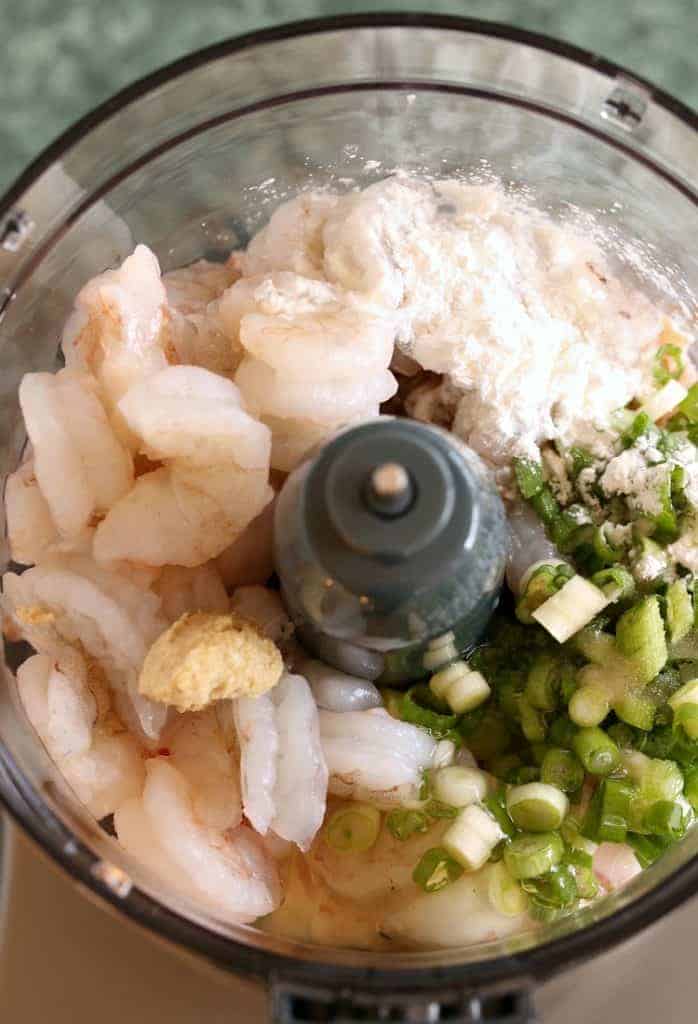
[[191, 161]]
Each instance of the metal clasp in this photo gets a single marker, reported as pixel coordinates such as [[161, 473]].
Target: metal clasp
[[626, 104], [15, 230], [301, 1004]]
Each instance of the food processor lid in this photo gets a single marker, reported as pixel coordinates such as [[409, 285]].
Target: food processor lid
[[379, 539], [633, 117]]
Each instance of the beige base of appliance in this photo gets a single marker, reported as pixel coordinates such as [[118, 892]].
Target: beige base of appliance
[[64, 960]]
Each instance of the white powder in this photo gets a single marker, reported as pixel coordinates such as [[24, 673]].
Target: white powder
[[523, 316], [642, 484]]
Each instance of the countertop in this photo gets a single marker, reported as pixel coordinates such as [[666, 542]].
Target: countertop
[[60, 58]]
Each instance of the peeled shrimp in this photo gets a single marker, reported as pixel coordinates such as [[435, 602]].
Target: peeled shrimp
[[459, 915], [213, 483], [115, 332], [30, 528], [337, 691], [198, 750], [284, 776], [263, 606], [292, 240], [369, 752], [70, 604], [80, 466], [229, 871], [615, 864], [103, 767], [314, 360]]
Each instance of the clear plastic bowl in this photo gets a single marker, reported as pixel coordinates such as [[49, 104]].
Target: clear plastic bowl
[[191, 161]]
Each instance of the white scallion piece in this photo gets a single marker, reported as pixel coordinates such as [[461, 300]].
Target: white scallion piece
[[663, 401], [472, 837], [461, 687], [572, 608], [537, 806], [459, 786]]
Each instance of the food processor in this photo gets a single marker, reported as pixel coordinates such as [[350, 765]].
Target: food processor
[[191, 161]]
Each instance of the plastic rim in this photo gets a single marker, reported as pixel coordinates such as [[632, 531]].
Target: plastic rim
[[25, 804]]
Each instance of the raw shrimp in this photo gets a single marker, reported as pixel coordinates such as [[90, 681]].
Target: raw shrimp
[[263, 606], [292, 240], [371, 755], [69, 603], [213, 482], [190, 590], [373, 874], [229, 870], [116, 330], [31, 530], [458, 916], [79, 465], [336, 691], [284, 775], [102, 766], [198, 750], [615, 864], [314, 361]]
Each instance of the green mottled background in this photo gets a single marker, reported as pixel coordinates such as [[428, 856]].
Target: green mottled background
[[58, 58]]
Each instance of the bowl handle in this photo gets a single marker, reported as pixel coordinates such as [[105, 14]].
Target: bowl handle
[[293, 1003]]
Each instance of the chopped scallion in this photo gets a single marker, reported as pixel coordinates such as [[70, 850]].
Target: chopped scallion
[[436, 870], [537, 806], [529, 856], [354, 828], [597, 751], [403, 823]]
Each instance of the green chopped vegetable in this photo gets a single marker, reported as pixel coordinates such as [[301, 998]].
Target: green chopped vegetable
[[604, 550], [589, 705], [640, 638], [616, 583], [668, 364], [597, 751], [529, 856], [353, 829], [417, 707], [554, 890], [562, 769], [436, 870], [690, 788], [636, 709], [403, 824], [543, 582], [529, 477], [505, 893], [438, 809], [537, 806], [622, 735], [616, 799], [647, 849], [496, 805], [688, 407], [666, 818], [562, 732], [533, 723], [543, 682], [684, 704], [581, 459], [640, 425], [546, 506]]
